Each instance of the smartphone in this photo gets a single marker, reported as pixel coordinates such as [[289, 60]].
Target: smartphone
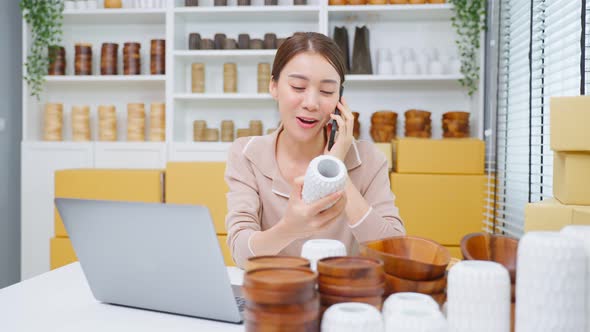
[[334, 123]]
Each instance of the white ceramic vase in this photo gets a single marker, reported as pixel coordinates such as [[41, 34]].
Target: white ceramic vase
[[316, 249], [325, 175], [352, 317], [416, 320]]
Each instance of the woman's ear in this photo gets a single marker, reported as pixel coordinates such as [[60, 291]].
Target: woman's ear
[[272, 88]]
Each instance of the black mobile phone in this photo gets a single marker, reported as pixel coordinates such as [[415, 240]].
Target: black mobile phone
[[334, 123]]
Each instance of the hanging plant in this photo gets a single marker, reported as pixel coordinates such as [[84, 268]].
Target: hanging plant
[[469, 21], [45, 20]]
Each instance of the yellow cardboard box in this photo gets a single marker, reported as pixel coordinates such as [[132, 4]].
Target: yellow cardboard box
[[571, 177], [61, 252], [440, 207], [455, 251], [570, 123], [439, 156], [199, 183], [117, 185], [229, 261], [387, 150], [551, 215]]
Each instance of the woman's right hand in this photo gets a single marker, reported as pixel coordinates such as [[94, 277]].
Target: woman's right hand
[[302, 220]]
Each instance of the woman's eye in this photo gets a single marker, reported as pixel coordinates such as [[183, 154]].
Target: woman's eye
[[328, 92], [298, 88]]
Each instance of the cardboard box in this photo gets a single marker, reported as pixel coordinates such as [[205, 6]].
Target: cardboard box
[[440, 207], [61, 252], [551, 215], [570, 123], [200, 183], [387, 150], [571, 177], [103, 184], [229, 261], [439, 156]]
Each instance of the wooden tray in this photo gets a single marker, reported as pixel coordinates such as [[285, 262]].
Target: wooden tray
[[281, 279], [258, 262]]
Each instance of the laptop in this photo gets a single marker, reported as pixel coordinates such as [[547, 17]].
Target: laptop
[[161, 257]]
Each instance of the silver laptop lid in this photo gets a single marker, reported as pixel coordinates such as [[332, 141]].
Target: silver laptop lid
[[154, 256]]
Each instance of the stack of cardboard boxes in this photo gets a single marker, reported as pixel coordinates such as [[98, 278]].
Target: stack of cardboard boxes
[[439, 186], [570, 142]]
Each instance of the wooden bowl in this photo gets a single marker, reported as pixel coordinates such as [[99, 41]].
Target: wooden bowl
[[328, 300], [395, 285], [264, 296], [258, 262], [419, 134], [382, 135], [357, 2], [490, 247], [383, 117], [312, 305], [417, 114], [398, 2], [295, 318], [456, 115], [281, 279], [409, 257], [377, 2], [337, 2], [440, 298], [361, 282], [350, 291], [350, 267], [250, 326]]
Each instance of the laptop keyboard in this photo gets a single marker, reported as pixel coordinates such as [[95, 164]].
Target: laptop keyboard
[[241, 302]]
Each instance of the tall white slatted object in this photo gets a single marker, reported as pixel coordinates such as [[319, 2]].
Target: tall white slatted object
[[551, 31]]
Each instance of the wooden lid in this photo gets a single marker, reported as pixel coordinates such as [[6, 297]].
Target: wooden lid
[[281, 279], [350, 267], [350, 291], [359, 282], [257, 262]]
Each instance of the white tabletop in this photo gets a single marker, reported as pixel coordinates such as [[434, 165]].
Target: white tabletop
[[61, 300]]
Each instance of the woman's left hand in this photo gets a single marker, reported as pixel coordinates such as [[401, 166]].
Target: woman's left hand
[[344, 136]]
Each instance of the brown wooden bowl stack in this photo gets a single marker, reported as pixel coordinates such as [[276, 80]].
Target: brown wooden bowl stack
[[158, 57], [57, 60], [350, 279], [383, 126], [109, 59], [131, 58], [83, 59], [455, 124], [412, 264], [258, 262], [356, 129], [281, 299], [418, 123]]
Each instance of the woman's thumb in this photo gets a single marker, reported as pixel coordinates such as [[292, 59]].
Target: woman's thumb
[[297, 186]]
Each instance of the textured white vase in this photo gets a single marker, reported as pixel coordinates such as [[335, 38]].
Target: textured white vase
[[406, 300], [550, 287], [352, 317], [478, 297], [416, 320], [325, 175], [316, 249], [582, 233]]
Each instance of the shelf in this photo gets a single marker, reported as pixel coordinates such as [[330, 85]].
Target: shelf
[[224, 54], [224, 96], [56, 145], [249, 14], [203, 146], [402, 78], [115, 16], [106, 79], [433, 12]]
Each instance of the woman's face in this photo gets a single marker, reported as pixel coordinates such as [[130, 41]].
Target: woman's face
[[307, 93]]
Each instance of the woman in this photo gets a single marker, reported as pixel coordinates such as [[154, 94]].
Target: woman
[[266, 214]]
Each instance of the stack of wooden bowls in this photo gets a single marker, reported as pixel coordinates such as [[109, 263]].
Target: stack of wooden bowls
[[107, 123], [263, 77], [281, 299], [135, 122], [83, 59], [131, 58], [227, 131], [418, 124], [198, 77], [57, 60], [109, 59], [230, 78], [158, 122], [383, 126], [259, 262], [53, 122], [455, 124], [350, 279], [81, 123], [356, 129], [199, 129], [158, 57], [412, 264], [492, 247], [255, 128]]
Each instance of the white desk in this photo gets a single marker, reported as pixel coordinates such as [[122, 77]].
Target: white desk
[[61, 300]]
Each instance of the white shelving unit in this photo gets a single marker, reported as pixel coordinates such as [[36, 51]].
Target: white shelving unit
[[391, 26]]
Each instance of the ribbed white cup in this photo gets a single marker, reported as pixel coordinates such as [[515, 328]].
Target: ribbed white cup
[[352, 317], [325, 175], [478, 297], [416, 320], [550, 287], [582, 233], [316, 249], [406, 300]]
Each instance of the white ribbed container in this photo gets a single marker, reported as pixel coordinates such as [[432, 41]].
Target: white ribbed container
[[406, 300], [582, 233], [325, 175], [416, 320], [316, 249], [550, 287], [478, 297], [352, 317]]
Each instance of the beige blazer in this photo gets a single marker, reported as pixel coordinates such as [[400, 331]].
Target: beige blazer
[[258, 196]]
